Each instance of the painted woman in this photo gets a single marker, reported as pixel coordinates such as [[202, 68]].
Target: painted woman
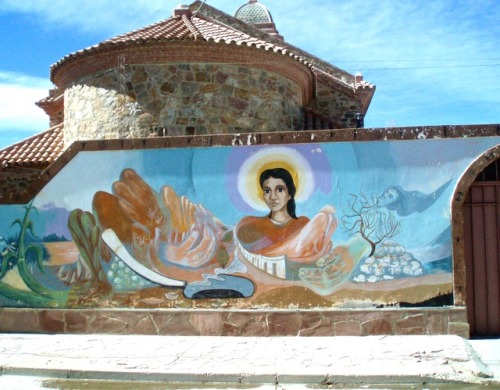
[[280, 236]]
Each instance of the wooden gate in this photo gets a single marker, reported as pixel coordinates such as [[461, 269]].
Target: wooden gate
[[482, 247]]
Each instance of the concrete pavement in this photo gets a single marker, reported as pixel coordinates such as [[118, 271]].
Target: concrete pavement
[[75, 361], [488, 351]]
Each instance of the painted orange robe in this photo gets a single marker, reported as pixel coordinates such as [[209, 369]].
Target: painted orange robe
[[301, 240]]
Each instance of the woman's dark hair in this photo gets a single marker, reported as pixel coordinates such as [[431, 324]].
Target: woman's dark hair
[[283, 174]]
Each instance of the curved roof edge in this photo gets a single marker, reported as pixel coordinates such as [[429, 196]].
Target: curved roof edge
[[203, 22]]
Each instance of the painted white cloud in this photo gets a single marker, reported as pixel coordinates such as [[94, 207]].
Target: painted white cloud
[[18, 94]]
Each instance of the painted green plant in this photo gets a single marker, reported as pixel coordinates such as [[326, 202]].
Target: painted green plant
[[37, 294], [222, 255], [90, 279]]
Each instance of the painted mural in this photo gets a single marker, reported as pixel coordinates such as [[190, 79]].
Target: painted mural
[[290, 226]]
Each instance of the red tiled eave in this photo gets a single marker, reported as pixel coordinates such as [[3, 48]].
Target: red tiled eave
[[40, 150], [180, 28], [201, 23]]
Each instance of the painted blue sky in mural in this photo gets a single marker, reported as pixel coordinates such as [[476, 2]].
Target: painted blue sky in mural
[[330, 172]]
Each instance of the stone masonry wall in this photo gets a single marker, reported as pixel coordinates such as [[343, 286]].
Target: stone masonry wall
[[333, 104], [16, 183], [180, 99], [194, 322]]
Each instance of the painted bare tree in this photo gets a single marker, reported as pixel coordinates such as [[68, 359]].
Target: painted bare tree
[[362, 215]]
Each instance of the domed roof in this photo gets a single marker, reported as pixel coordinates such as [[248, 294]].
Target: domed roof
[[253, 13]]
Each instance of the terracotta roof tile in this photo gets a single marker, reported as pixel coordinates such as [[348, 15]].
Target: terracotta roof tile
[[41, 149], [173, 28], [215, 32], [213, 25], [185, 27], [49, 99]]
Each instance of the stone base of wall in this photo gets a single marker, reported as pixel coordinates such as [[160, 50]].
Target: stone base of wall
[[355, 322]]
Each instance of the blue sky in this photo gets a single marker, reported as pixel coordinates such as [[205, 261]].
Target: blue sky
[[434, 62]]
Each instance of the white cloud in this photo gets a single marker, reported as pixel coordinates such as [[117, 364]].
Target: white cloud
[[94, 16], [18, 94], [442, 44]]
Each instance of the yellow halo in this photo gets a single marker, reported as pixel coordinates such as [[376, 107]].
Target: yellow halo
[[269, 158]]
